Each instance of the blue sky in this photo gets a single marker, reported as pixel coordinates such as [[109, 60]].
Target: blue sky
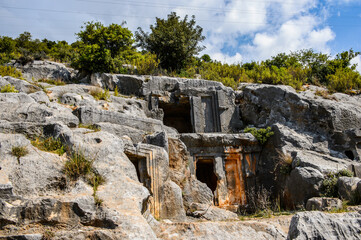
[[235, 30]]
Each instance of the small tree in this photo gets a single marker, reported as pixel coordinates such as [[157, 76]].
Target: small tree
[[101, 48], [173, 40]]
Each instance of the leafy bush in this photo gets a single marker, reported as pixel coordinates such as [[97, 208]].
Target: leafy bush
[[103, 49], [49, 145], [10, 71], [8, 89], [329, 184], [146, 64], [175, 41], [100, 94], [344, 80], [19, 151], [262, 134]]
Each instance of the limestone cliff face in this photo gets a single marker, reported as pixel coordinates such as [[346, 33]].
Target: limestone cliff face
[[170, 152]]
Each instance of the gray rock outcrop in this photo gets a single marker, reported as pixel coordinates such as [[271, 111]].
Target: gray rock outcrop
[[170, 160], [318, 225]]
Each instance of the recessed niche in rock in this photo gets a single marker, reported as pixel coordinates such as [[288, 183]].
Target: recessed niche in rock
[[140, 164], [205, 172], [349, 154], [177, 115]]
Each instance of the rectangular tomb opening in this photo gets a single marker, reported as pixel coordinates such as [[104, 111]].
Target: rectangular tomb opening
[[178, 115], [140, 164], [205, 173]]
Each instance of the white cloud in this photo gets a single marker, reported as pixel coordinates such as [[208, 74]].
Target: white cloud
[[301, 33], [357, 60], [225, 58]]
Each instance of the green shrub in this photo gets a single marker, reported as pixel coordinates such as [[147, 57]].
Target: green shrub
[[262, 134], [19, 151], [100, 94], [344, 80], [329, 184], [146, 64], [49, 145], [8, 89], [10, 71]]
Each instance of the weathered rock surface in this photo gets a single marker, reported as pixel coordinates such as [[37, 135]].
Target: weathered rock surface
[[226, 230], [45, 70], [347, 187], [318, 225], [302, 184], [323, 204], [150, 170]]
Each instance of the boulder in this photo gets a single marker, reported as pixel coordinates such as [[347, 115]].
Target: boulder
[[347, 187], [159, 139], [302, 184], [91, 115], [22, 85], [16, 98], [35, 174], [40, 97], [127, 84], [323, 204], [318, 225], [211, 213], [35, 112], [46, 70], [172, 203]]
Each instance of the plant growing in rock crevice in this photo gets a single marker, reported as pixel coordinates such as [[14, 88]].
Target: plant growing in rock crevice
[[49, 145], [100, 94], [261, 134], [8, 89], [80, 166], [19, 151]]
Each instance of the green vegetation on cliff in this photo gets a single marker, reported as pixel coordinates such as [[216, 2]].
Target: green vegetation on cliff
[[171, 48]]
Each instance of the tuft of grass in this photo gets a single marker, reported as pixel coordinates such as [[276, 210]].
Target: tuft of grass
[[78, 165], [324, 94], [19, 151], [95, 180], [116, 93], [100, 94], [49, 145], [48, 235], [8, 89], [10, 71], [90, 126], [57, 82]]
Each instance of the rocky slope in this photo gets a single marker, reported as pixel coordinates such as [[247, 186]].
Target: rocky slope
[[151, 145]]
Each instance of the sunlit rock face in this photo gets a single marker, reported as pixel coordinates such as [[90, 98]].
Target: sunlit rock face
[[168, 158]]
